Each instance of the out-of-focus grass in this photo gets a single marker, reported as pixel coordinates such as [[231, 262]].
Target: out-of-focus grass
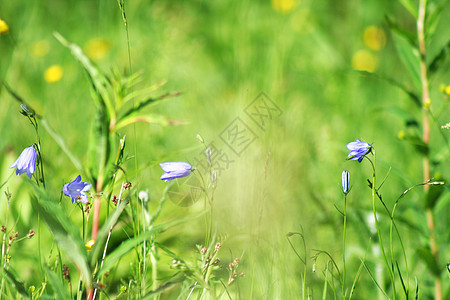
[[221, 55]]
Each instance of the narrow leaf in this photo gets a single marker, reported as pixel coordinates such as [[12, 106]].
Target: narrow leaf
[[15, 283], [57, 285], [409, 54], [62, 144], [414, 97], [99, 81], [65, 233], [148, 118], [410, 6], [104, 230], [425, 254], [439, 59], [132, 243], [147, 102]]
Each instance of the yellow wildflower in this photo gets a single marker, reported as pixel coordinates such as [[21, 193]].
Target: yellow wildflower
[[53, 74], [3, 26], [284, 6], [89, 245], [447, 89]]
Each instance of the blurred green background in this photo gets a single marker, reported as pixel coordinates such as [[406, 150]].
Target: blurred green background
[[221, 55]]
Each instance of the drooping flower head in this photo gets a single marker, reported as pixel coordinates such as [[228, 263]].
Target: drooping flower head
[[26, 162], [358, 150], [76, 190], [345, 181], [176, 169]]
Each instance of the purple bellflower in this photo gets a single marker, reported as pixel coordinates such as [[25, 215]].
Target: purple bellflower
[[345, 181], [176, 169], [76, 190], [26, 162], [358, 150]]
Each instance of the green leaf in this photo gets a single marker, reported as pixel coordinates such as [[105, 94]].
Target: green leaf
[[15, 283], [62, 144], [395, 83], [161, 288], [99, 82], [132, 243], [143, 93], [433, 15], [146, 103], [65, 233], [435, 191], [411, 37], [99, 145], [409, 54], [148, 118], [427, 257], [406, 116], [418, 143], [57, 285], [439, 59], [104, 230], [410, 6]]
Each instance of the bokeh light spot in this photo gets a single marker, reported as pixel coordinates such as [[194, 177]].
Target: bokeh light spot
[[364, 60], [374, 38], [39, 48], [97, 48], [53, 74]]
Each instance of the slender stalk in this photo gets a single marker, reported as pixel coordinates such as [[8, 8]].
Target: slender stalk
[[97, 204], [4, 253], [154, 270], [380, 241], [343, 247], [426, 133]]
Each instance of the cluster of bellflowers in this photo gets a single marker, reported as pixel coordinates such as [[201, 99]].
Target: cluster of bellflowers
[[358, 150], [26, 163], [77, 189]]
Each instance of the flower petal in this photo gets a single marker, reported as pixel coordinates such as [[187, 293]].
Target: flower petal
[[175, 165]]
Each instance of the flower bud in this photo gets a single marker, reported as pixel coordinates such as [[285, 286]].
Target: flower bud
[[345, 181]]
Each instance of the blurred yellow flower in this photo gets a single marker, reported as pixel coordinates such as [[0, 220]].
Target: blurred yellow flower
[[53, 73], [447, 89], [89, 245], [401, 134], [364, 60], [39, 48], [284, 6], [3, 26], [374, 38], [97, 48]]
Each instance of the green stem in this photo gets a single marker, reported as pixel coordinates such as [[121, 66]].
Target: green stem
[[343, 247], [426, 133], [380, 241]]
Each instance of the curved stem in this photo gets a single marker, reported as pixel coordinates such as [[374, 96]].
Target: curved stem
[[380, 241]]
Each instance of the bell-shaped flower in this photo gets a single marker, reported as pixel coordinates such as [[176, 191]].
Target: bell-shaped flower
[[345, 181], [175, 169], [26, 163], [76, 190], [358, 150]]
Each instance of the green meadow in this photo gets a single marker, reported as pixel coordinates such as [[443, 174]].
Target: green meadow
[[261, 99]]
